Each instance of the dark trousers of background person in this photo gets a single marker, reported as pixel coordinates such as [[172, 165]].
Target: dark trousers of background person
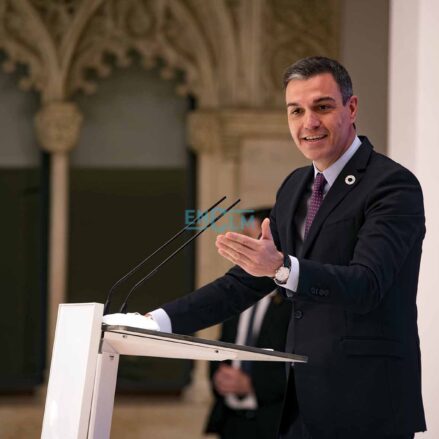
[[228, 423], [242, 424]]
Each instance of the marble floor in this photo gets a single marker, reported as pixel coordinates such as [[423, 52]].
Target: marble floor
[[134, 417]]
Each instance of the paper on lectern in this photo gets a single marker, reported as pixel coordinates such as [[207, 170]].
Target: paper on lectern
[[134, 320]]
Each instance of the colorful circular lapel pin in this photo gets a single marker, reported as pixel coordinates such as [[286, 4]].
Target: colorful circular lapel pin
[[350, 179]]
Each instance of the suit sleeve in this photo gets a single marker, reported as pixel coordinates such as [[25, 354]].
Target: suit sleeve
[[223, 298], [392, 229], [217, 301]]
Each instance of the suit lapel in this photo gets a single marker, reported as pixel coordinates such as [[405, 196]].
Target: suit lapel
[[341, 187], [304, 180]]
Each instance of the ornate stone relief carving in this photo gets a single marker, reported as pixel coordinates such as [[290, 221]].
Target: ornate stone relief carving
[[232, 52], [170, 32], [17, 39], [43, 36], [294, 29]]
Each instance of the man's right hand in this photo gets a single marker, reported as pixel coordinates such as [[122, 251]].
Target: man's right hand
[[258, 257]]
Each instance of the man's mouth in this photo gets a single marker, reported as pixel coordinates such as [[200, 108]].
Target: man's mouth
[[314, 138]]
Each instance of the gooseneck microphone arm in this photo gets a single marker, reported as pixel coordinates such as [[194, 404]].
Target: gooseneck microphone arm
[[140, 264], [123, 308]]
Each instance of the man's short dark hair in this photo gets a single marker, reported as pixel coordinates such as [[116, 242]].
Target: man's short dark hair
[[316, 65]]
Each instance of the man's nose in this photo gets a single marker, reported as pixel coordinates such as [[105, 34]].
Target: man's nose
[[312, 121]]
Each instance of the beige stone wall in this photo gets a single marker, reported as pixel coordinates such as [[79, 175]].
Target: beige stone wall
[[414, 91], [364, 52]]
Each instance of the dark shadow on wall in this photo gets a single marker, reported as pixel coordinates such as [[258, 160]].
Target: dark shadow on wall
[[131, 179]]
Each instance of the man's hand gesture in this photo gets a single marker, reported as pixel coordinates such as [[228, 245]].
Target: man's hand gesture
[[258, 257]]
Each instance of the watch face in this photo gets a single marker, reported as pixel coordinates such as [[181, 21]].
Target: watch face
[[282, 275]]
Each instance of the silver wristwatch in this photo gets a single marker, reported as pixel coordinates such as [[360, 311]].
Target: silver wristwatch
[[283, 273]]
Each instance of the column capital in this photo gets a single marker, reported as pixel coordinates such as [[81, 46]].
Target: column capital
[[224, 130], [57, 126]]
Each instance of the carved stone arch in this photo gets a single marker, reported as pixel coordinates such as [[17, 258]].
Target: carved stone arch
[[190, 51], [194, 37], [222, 36], [28, 37], [71, 38], [170, 31], [19, 48]]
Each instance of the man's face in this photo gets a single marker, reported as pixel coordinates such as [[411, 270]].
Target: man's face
[[321, 126]]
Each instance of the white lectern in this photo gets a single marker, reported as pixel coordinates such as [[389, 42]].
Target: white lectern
[[85, 358]]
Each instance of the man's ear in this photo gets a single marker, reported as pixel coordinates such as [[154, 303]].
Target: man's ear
[[352, 104]]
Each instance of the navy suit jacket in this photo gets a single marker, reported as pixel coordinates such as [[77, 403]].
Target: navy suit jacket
[[355, 313]]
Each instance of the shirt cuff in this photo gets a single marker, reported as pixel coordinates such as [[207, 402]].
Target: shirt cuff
[[293, 279], [249, 402], [162, 319]]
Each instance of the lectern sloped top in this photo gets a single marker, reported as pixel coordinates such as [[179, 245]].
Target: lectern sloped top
[[125, 340]]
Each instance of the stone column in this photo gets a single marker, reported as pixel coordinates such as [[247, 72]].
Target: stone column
[[414, 93], [57, 127], [242, 153]]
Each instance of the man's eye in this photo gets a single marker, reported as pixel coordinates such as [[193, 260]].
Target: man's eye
[[295, 111], [324, 107]]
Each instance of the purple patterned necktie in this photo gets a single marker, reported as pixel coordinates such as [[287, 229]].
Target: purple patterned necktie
[[315, 201]]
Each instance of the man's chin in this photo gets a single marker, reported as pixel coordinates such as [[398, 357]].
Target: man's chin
[[313, 152]]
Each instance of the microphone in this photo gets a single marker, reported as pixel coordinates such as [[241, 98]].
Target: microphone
[[123, 308], [140, 264]]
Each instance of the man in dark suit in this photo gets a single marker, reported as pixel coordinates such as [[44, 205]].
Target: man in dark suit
[[249, 395], [344, 239]]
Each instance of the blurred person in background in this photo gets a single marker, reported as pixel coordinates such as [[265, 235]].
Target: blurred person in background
[[249, 395]]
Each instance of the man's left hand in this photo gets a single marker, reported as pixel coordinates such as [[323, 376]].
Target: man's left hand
[[258, 257]]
